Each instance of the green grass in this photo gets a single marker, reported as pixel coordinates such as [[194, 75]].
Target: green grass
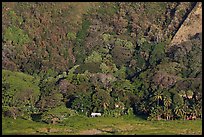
[[106, 125]]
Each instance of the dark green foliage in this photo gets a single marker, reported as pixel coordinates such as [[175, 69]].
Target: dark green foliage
[[101, 101], [157, 54], [82, 104], [107, 9], [111, 58], [91, 67], [155, 9], [80, 39], [82, 33], [121, 55], [177, 100]]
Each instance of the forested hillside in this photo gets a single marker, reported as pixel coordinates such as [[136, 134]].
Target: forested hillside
[[64, 59]]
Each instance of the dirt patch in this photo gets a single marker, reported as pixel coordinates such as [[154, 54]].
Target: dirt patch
[[90, 132], [53, 130], [125, 128], [42, 130]]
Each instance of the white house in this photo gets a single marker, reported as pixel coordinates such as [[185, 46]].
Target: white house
[[95, 114]]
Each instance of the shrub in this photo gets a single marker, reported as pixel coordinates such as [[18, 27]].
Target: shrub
[[59, 113], [22, 89], [16, 35], [94, 57]]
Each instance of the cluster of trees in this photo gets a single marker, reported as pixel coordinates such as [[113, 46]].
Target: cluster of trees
[[159, 88], [115, 62]]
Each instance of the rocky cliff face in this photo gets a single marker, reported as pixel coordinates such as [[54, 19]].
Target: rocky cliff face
[[191, 26]]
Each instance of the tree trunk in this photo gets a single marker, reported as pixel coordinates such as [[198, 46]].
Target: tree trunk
[[158, 117]]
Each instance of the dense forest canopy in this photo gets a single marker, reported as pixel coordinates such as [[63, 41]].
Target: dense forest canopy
[[107, 57]]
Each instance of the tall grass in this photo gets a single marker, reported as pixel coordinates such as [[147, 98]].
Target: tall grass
[[127, 125]]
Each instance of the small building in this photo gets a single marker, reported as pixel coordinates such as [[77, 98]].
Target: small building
[[95, 114]]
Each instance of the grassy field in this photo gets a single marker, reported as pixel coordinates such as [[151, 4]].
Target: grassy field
[[127, 125]]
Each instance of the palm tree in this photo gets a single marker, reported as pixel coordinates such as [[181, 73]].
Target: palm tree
[[167, 103], [168, 114], [179, 111], [157, 96], [155, 113], [195, 111], [186, 108], [189, 94], [159, 112], [198, 110]]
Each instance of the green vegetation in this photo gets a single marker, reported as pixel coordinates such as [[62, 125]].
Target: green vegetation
[[94, 57], [83, 32], [19, 89], [63, 61], [76, 125], [71, 36], [16, 35]]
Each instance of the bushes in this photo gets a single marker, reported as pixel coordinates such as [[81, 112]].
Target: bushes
[[82, 33], [20, 92], [57, 114], [109, 66], [16, 35], [107, 9], [71, 36], [93, 58], [21, 88]]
